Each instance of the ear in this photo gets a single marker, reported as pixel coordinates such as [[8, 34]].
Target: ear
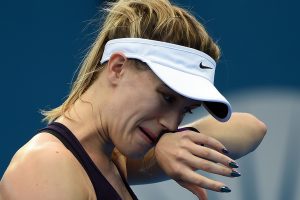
[[116, 67]]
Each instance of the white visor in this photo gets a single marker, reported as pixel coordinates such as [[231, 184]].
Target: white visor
[[187, 71]]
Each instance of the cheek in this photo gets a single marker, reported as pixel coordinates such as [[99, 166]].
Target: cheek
[[143, 101], [151, 107]]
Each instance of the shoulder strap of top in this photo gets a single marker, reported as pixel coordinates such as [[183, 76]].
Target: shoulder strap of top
[[102, 187]]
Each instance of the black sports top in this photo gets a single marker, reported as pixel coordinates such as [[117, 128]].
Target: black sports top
[[102, 187]]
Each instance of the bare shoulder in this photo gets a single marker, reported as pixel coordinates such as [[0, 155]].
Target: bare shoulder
[[46, 170]]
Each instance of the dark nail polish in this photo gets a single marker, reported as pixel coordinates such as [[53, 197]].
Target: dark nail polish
[[235, 173], [224, 150], [233, 164], [225, 189]]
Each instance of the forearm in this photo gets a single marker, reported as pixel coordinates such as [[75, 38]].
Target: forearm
[[240, 135]]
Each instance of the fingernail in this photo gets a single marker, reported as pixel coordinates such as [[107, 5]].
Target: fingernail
[[225, 189], [224, 150], [235, 173], [233, 164]]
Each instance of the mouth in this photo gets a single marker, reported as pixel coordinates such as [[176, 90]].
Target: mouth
[[149, 136]]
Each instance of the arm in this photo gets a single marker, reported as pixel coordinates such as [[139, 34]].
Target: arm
[[42, 173], [241, 135]]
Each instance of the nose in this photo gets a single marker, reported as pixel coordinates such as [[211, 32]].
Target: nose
[[170, 120]]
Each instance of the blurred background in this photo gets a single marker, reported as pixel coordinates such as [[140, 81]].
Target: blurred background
[[43, 42]]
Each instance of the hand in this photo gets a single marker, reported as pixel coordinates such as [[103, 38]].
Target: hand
[[180, 154]]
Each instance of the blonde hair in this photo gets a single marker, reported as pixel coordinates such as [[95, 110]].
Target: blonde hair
[[151, 19]]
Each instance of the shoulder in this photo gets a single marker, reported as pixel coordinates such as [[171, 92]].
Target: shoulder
[[44, 171]]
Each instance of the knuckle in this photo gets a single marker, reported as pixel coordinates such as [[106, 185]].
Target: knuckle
[[205, 153], [199, 182], [206, 167], [184, 143], [226, 171], [203, 137], [179, 154], [185, 135], [176, 171]]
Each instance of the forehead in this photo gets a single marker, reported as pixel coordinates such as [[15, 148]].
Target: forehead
[[157, 83]]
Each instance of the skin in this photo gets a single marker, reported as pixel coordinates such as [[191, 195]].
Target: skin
[[108, 130], [240, 135]]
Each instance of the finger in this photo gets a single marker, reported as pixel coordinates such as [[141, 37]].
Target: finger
[[196, 190], [199, 163], [205, 140], [193, 178], [211, 155]]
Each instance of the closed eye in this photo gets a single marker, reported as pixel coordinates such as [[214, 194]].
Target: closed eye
[[170, 99]]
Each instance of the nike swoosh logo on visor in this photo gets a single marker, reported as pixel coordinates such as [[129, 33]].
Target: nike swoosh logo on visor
[[204, 67]]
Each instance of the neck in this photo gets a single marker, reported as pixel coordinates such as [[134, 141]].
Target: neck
[[85, 122]]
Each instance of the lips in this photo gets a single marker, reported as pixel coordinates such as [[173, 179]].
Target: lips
[[149, 135]]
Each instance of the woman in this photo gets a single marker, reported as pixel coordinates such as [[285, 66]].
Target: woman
[[151, 63]]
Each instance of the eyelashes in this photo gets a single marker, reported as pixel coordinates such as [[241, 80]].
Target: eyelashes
[[168, 98], [171, 99]]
